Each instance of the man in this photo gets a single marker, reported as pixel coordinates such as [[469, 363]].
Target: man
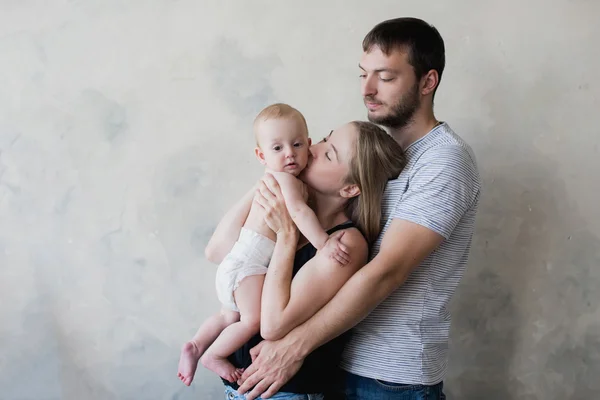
[[398, 302]]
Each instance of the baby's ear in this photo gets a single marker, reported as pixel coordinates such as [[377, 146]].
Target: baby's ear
[[260, 156], [309, 141]]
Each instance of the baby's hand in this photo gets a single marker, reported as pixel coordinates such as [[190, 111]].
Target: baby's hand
[[335, 250]]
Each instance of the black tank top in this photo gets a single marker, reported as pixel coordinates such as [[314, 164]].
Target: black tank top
[[320, 368]]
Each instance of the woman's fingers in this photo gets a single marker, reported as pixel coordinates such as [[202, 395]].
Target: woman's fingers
[[266, 193], [260, 199], [272, 184]]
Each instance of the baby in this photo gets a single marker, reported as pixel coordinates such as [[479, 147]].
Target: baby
[[283, 148]]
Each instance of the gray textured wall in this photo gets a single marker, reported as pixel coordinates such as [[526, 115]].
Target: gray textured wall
[[120, 119]]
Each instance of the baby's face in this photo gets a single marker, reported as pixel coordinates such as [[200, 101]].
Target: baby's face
[[283, 145]]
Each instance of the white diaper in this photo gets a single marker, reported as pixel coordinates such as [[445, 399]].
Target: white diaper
[[250, 255]]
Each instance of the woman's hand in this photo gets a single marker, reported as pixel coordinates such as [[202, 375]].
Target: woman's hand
[[270, 199]]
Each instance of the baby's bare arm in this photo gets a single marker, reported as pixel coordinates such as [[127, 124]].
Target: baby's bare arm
[[304, 217]]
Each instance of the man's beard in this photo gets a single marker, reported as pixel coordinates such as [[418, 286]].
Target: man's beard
[[402, 112]]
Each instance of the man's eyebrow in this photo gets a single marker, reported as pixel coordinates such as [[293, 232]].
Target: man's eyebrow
[[379, 70]]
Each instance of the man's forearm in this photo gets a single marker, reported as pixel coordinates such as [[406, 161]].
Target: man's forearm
[[355, 300]]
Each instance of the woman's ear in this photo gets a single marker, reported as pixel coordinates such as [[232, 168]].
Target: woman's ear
[[260, 156], [349, 191]]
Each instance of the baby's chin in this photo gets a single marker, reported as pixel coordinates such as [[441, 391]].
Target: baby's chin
[[296, 171]]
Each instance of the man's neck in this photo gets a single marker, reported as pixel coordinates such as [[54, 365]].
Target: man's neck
[[422, 123]]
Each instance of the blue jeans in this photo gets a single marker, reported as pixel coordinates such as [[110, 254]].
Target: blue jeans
[[232, 394], [361, 388]]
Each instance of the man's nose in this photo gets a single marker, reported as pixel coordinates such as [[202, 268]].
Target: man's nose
[[368, 86]]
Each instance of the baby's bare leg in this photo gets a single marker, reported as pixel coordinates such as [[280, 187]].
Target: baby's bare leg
[[206, 335], [247, 298]]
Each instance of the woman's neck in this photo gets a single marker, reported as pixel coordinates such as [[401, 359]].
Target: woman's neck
[[329, 210]]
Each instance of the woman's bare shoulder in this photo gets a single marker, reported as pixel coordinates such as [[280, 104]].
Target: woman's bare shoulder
[[355, 241]]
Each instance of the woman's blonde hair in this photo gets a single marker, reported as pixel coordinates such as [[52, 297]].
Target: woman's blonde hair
[[377, 159]]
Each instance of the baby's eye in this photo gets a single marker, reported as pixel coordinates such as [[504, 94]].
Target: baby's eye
[[297, 144], [276, 148]]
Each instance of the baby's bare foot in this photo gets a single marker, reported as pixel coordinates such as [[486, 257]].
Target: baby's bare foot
[[221, 367], [190, 354]]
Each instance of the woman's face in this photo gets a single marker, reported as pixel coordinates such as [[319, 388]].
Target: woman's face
[[329, 163]]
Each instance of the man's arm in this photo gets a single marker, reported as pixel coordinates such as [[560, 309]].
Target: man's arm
[[405, 245]]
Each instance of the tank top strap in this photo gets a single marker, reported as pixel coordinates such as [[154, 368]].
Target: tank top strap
[[344, 225]]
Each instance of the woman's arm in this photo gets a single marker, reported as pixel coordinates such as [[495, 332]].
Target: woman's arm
[[228, 230], [287, 303]]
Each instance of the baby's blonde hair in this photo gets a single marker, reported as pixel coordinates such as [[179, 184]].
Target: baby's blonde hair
[[276, 111]]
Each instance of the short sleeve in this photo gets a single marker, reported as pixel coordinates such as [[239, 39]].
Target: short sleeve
[[442, 186]]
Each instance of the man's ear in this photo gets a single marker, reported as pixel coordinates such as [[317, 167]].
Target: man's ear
[[429, 82], [349, 191], [260, 156]]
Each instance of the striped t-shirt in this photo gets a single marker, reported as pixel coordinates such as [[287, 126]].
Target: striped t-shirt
[[405, 339]]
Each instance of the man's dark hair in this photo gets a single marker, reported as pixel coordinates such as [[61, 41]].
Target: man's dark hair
[[421, 41]]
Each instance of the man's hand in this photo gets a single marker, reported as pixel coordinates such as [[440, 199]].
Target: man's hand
[[274, 364]]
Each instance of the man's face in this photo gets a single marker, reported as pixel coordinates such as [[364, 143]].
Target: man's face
[[389, 87]]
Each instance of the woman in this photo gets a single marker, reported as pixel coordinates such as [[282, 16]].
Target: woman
[[347, 175]]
